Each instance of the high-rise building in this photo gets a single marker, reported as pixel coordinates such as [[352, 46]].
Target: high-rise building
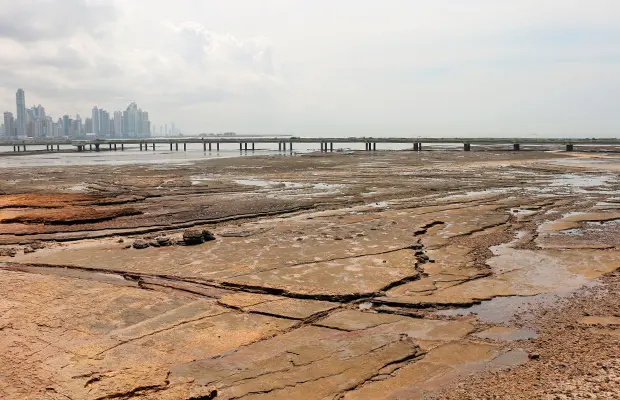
[[66, 126], [9, 125], [78, 126], [118, 124], [49, 127], [95, 122], [20, 98]]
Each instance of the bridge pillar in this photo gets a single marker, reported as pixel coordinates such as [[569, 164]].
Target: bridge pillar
[[114, 146], [209, 146], [466, 146], [252, 146], [240, 146], [184, 146], [90, 147], [245, 145], [516, 147], [569, 147], [14, 148], [374, 146], [110, 146], [331, 147], [204, 146], [170, 146], [140, 146], [97, 147], [122, 146], [57, 147], [176, 145], [153, 146], [279, 146], [217, 146], [284, 146], [290, 147]]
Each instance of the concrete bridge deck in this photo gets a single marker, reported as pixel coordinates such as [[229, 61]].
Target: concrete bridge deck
[[284, 144]]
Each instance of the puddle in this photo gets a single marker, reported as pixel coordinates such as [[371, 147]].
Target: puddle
[[507, 334], [503, 309]]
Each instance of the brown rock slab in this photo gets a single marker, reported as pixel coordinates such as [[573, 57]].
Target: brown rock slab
[[292, 308]]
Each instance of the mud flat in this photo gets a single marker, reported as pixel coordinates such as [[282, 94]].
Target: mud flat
[[395, 275]]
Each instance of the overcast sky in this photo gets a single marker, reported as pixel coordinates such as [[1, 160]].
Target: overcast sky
[[323, 67]]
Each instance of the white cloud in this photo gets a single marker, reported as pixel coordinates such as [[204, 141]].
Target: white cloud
[[322, 67]]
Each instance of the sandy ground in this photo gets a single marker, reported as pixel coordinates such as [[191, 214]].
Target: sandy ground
[[394, 275]]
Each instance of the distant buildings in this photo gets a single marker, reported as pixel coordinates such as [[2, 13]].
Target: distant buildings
[[34, 122], [9, 125], [20, 99]]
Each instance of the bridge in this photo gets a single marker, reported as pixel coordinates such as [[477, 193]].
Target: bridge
[[284, 144]]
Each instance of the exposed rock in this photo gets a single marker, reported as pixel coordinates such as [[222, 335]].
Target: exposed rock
[[207, 235], [140, 244], [164, 240], [203, 393], [121, 240], [154, 243], [192, 237], [37, 245], [8, 252], [28, 250]]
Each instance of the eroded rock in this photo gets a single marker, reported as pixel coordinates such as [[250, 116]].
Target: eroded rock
[[140, 244]]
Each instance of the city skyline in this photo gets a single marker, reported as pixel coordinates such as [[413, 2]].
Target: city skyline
[[34, 122]]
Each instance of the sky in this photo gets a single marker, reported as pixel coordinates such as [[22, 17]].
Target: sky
[[403, 68]]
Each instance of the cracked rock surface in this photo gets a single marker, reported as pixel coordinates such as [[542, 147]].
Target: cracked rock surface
[[333, 277]]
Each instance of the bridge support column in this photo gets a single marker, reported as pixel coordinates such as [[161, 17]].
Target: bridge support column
[[516, 147], [252, 146], [122, 146], [97, 147], [114, 146], [184, 146], [240, 146], [415, 146], [90, 147], [153, 146], [57, 147], [290, 147], [209, 146], [569, 147], [419, 146], [283, 146], [217, 146], [110, 146], [323, 147], [170, 146], [176, 146], [14, 148], [467, 147], [204, 146], [279, 146], [374, 146], [140, 146]]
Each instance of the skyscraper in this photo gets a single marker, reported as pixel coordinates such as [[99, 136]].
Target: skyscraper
[[118, 124], [9, 125], [78, 125], [95, 121], [21, 112]]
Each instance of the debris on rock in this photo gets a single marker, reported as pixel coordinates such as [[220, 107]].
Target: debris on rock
[[163, 241], [28, 250], [8, 252], [193, 237], [207, 235], [140, 244]]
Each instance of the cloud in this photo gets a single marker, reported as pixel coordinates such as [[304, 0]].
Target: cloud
[[43, 20], [322, 67]]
